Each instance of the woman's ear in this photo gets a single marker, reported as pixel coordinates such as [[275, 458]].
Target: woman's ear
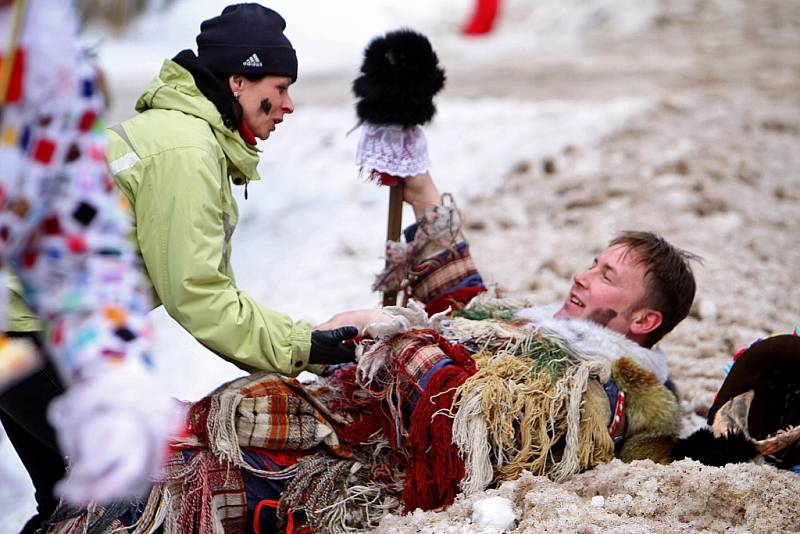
[[235, 82]]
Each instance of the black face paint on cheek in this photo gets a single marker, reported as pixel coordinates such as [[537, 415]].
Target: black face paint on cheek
[[603, 316], [266, 105]]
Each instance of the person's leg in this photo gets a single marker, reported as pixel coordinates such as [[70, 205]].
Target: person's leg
[[23, 413]]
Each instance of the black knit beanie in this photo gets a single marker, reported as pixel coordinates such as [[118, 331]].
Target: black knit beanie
[[246, 39]]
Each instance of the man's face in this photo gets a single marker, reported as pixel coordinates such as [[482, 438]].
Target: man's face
[[609, 292], [264, 103]]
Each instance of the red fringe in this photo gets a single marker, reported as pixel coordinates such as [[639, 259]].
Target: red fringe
[[456, 298], [459, 354], [382, 178], [354, 401], [436, 468]]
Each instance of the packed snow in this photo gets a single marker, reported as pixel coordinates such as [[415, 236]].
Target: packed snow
[[575, 119]]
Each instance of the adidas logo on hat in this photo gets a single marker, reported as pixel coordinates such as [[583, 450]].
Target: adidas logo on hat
[[253, 61]]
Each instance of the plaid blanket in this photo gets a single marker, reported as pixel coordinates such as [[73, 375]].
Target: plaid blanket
[[265, 411]]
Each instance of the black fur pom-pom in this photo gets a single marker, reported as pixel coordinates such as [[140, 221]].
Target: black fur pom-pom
[[709, 450], [399, 77]]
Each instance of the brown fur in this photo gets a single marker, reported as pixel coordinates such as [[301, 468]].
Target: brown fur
[[633, 373], [651, 411]]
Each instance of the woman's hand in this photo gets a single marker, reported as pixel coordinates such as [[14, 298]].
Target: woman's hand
[[358, 318]]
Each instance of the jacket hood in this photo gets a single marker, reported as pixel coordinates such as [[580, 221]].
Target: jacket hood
[[175, 89]]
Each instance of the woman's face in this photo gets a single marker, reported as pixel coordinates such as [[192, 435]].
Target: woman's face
[[264, 102]]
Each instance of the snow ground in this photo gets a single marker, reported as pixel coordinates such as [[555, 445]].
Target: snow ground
[[639, 105]]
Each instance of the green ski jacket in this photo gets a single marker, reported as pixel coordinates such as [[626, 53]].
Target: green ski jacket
[[175, 162]]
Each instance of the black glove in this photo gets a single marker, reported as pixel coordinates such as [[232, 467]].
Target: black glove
[[328, 347]]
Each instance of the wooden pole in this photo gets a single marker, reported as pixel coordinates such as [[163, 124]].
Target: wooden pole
[[393, 230]]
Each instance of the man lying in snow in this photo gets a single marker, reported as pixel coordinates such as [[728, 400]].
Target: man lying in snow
[[436, 405], [640, 287]]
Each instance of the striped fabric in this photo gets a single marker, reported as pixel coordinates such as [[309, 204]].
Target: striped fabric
[[270, 411], [271, 416], [444, 272], [417, 352], [208, 497]]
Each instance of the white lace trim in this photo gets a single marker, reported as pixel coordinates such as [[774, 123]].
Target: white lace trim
[[395, 150]]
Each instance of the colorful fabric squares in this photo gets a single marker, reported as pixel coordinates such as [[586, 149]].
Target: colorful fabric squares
[[87, 120], [76, 244], [44, 150], [73, 153], [9, 136], [84, 213], [51, 225], [19, 207], [87, 87], [125, 334]]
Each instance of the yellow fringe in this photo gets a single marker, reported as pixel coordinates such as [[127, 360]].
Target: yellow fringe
[[526, 416]]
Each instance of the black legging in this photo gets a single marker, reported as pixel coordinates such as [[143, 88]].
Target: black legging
[[23, 413]]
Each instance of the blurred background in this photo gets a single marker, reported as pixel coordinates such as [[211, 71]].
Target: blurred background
[[569, 121]]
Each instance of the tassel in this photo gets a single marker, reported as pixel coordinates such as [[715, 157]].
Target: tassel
[[436, 468]]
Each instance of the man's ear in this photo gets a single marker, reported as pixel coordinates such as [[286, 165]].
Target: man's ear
[[645, 321]]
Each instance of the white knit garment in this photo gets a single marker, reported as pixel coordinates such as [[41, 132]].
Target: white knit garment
[[392, 149]]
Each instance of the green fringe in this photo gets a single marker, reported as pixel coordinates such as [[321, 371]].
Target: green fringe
[[502, 309], [545, 354]]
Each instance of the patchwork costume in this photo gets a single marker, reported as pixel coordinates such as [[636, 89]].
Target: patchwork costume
[[63, 231], [436, 405]]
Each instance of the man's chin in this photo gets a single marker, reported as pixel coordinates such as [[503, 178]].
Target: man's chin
[[563, 312]]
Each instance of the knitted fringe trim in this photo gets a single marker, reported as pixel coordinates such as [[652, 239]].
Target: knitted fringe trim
[[524, 401], [152, 517], [337, 495], [436, 467]]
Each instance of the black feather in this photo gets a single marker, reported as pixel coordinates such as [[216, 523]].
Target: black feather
[[399, 77], [709, 450]]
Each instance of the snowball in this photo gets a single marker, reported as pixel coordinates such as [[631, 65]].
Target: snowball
[[493, 514]]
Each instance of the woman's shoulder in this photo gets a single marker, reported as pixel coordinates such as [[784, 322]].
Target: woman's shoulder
[[159, 131]]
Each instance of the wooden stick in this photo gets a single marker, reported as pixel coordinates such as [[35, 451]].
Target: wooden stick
[[393, 229]]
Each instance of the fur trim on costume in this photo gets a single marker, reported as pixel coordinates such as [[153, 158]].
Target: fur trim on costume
[[651, 413], [704, 447], [399, 77], [596, 340]]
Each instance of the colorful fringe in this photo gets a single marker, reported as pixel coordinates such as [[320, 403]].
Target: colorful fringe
[[421, 422], [531, 406]]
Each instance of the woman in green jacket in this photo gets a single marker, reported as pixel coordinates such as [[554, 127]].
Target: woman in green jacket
[[175, 161]]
